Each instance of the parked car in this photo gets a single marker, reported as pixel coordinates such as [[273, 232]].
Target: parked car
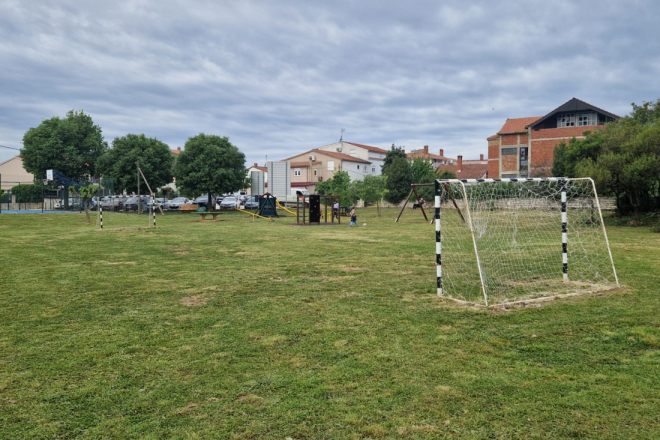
[[229, 203], [131, 204], [203, 200], [252, 202], [113, 203], [175, 204], [161, 200]]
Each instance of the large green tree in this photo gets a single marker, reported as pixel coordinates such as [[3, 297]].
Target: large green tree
[[398, 179], [372, 190], [71, 145], [340, 184], [119, 162], [209, 164], [623, 158], [390, 156], [422, 172]]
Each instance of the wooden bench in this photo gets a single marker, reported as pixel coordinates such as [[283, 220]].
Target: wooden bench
[[188, 208], [214, 214]]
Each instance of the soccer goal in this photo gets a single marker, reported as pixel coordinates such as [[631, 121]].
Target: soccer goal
[[502, 241]]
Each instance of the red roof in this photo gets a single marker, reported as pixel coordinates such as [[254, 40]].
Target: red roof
[[468, 171], [517, 125], [302, 184], [177, 151], [493, 137], [369, 147], [299, 164], [341, 156]]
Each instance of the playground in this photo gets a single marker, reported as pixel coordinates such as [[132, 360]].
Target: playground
[[254, 329]]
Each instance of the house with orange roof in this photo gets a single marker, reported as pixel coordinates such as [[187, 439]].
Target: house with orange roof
[[467, 169], [524, 147], [375, 155], [12, 173], [316, 165], [434, 159]]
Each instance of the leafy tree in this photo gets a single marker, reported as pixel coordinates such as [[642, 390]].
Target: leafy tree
[[446, 174], [390, 156], [422, 172], [371, 190], [339, 184], [623, 158], [71, 146], [209, 164], [85, 193], [398, 179], [119, 162]]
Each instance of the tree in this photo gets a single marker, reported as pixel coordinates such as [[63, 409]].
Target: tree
[[422, 172], [390, 156], [71, 146], [339, 184], [623, 158], [85, 193], [372, 190], [119, 162], [27, 193], [398, 179], [446, 174], [209, 164]]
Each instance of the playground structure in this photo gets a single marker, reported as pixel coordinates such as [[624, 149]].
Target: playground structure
[[309, 209], [418, 202]]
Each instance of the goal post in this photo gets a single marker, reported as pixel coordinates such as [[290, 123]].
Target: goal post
[[509, 240]]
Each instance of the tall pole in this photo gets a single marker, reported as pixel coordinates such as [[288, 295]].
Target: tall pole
[[139, 209], [564, 231], [438, 240], [42, 197]]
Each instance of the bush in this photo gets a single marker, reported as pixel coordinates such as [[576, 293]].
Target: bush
[[27, 193]]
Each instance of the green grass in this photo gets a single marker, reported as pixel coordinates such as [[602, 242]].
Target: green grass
[[238, 330]]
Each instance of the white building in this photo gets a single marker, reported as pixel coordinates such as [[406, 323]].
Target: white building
[[368, 153]]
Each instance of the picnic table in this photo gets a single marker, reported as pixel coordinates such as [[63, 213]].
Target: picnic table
[[204, 214]]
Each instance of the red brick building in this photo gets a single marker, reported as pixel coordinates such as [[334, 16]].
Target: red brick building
[[524, 147]]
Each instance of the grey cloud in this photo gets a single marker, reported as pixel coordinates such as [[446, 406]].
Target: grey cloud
[[284, 76]]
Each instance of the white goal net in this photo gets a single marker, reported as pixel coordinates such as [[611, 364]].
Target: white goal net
[[508, 240]]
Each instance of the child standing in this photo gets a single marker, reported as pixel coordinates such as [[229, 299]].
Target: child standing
[[353, 219]]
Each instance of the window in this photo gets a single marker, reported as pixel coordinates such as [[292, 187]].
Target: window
[[373, 169], [509, 151], [585, 119], [509, 176], [296, 172], [358, 167], [566, 120], [331, 165], [316, 172]]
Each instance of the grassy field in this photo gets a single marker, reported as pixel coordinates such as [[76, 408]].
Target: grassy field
[[235, 329]]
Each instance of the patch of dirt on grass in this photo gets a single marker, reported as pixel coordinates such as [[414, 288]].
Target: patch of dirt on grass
[[351, 269], [181, 253], [251, 399], [195, 300]]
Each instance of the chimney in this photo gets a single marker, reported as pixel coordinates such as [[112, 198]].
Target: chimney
[[481, 157], [178, 148], [426, 149], [460, 164], [255, 164], [442, 152]]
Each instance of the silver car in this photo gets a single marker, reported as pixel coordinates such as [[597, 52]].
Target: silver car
[[229, 203], [175, 204]]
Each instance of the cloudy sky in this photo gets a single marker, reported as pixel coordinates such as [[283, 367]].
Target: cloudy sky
[[281, 77]]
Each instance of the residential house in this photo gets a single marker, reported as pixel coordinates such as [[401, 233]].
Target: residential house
[[12, 173], [374, 155], [524, 147], [314, 166], [467, 169], [434, 159]]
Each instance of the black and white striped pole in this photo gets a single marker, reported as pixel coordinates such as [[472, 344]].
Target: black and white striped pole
[[564, 231], [101, 215], [153, 210], [438, 239]]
